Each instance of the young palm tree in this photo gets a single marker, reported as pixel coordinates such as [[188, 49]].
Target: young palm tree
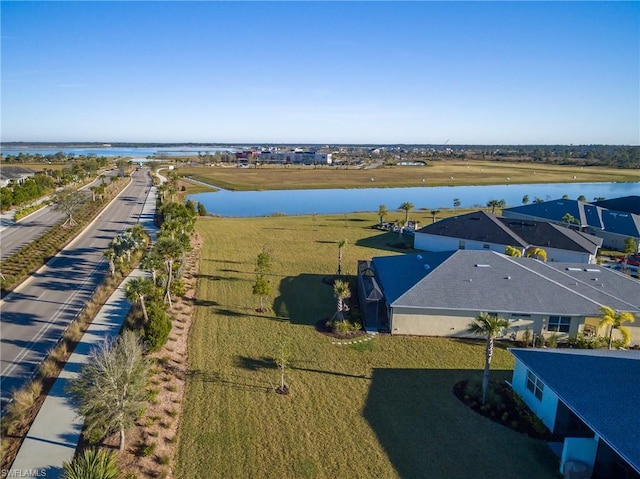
[[382, 212], [341, 244], [341, 292], [137, 289], [489, 326], [537, 253], [433, 215], [613, 319], [406, 207], [512, 251]]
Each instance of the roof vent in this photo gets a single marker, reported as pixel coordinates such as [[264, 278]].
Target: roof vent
[[592, 270], [419, 256], [427, 267], [574, 269], [507, 277], [483, 266]]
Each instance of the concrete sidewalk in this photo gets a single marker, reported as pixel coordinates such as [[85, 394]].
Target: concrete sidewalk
[[55, 433]]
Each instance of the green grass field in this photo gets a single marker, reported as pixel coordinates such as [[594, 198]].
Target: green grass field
[[439, 173], [382, 409]]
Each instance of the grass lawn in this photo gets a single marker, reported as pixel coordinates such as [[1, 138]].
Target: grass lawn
[[382, 409], [438, 173]]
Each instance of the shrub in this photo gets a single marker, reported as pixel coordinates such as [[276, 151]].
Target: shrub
[[92, 463], [148, 449], [164, 459], [156, 330], [552, 341], [580, 341]]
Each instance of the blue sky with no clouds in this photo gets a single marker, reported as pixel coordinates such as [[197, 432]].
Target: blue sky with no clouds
[[322, 72]]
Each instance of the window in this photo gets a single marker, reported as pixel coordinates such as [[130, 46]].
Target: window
[[559, 324], [461, 244], [486, 246], [535, 385]]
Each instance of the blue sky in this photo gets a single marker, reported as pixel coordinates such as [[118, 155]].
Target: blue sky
[[322, 72]]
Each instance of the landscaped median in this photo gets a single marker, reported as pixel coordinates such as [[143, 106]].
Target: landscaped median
[[382, 408], [24, 262]]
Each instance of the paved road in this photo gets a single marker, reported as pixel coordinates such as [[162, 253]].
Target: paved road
[[34, 317], [14, 236]]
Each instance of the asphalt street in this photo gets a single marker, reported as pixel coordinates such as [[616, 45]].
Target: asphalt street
[[34, 317]]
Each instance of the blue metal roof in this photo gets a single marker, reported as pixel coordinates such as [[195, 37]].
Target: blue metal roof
[[601, 387]]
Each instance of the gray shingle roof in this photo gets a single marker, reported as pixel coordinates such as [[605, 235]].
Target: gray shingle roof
[[619, 222], [489, 228], [601, 387], [489, 281]]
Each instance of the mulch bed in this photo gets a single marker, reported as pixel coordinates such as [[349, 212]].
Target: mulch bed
[[322, 326], [505, 410]]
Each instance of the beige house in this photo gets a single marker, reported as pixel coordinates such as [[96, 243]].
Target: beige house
[[439, 294]]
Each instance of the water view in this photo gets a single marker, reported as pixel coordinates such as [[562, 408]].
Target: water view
[[114, 151], [325, 201]]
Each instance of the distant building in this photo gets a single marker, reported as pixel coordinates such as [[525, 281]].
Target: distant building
[[297, 157]]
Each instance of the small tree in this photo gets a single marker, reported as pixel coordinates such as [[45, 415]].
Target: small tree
[[341, 245], [263, 262], [382, 212], [202, 211], [69, 201], [155, 332], [92, 463], [525, 200], [456, 203], [434, 213], [630, 246], [490, 326], [109, 390], [262, 289], [282, 360]]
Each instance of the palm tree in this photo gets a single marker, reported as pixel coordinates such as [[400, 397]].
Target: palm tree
[[433, 215], [614, 320], [512, 251], [341, 244], [406, 207], [169, 250], [490, 326], [152, 262], [341, 291], [537, 253], [137, 289], [382, 212], [525, 199]]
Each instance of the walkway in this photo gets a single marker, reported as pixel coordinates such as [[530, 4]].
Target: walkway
[[55, 433]]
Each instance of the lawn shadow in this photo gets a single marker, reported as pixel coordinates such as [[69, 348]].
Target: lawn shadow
[[385, 242], [304, 299], [234, 381], [427, 432]]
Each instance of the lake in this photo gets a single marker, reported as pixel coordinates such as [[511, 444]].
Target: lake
[[115, 151], [326, 201]]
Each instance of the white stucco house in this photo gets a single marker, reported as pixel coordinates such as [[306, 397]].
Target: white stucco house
[[589, 398]]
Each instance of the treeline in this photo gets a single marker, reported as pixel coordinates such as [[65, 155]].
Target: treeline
[[44, 182], [59, 157]]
